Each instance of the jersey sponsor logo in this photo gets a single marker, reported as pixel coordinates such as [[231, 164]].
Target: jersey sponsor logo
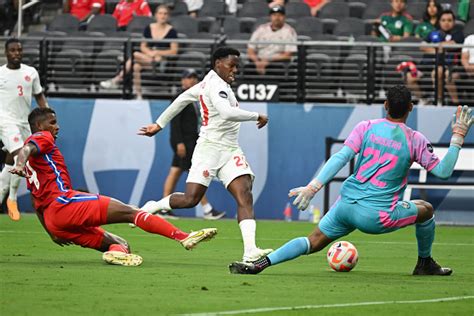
[[205, 173], [27, 78], [223, 94], [430, 148], [405, 205]]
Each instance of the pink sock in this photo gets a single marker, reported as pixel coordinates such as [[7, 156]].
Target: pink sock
[[157, 225], [119, 248]]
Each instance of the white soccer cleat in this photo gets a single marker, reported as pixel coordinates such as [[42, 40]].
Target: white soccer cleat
[[256, 254], [196, 237], [122, 258]]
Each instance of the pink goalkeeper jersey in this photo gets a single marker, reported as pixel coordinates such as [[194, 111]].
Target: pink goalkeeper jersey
[[386, 151]]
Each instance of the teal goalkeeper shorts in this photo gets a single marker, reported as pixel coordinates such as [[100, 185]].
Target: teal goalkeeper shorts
[[345, 217]]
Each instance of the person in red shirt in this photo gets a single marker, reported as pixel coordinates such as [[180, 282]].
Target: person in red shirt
[[127, 9], [84, 9], [73, 217], [315, 5]]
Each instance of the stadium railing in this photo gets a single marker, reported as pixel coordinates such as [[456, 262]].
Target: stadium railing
[[332, 71]]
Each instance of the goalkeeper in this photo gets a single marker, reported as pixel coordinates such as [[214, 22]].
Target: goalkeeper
[[369, 199]]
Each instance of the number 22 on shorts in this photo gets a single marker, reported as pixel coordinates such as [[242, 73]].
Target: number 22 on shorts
[[240, 161]]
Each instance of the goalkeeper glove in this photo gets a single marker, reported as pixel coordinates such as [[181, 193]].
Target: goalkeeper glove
[[462, 121], [304, 195]]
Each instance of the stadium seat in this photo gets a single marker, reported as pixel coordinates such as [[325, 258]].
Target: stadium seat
[[469, 27], [105, 23], [253, 9], [354, 76], [350, 27], [185, 24], [110, 6], [230, 25], [334, 10], [106, 65], [213, 8], [309, 26], [297, 10], [180, 8], [31, 57], [413, 51], [247, 24], [376, 8], [416, 10], [138, 24], [319, 71], [190, 59], [67, 70], [64, 23], [357, 9]]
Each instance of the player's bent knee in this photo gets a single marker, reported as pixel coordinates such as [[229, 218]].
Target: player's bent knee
[[318, 241]]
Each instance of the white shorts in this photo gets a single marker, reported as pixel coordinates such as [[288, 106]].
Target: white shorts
[[13, 136], [211, 160]]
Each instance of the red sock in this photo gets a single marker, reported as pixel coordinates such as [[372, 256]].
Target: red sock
[[157, 225], [119, 248]]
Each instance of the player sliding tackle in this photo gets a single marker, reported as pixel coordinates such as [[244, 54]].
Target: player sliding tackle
[[369, 199], [217, 153], [73, 217]]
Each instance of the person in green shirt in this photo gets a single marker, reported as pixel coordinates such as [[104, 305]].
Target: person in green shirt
[[396, 24], [430, 19]]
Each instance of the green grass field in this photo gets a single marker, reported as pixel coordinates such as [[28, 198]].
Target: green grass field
[[40, 278]]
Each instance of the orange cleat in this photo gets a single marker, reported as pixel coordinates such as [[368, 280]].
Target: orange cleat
[[13, 211]]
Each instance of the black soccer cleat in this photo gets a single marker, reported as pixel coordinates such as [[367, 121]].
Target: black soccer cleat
[[244, 268], [427, 266]]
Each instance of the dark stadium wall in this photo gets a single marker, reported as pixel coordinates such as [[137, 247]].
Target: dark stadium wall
[[104, 154]]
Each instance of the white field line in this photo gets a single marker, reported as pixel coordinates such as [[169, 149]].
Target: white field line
[[292, 308], [268, 239]]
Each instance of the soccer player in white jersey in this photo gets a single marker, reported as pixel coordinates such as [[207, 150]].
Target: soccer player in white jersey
[[18, 82], [217, 153]]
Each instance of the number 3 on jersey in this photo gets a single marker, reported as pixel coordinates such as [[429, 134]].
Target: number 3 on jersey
[[32, 176], [20, 90]]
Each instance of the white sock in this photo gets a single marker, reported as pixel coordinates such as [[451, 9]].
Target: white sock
[[154, 206], [207, 208], [14, 184], [247, 228], [5, 176]]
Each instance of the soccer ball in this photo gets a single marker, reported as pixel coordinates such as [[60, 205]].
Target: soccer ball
[[342, 256]]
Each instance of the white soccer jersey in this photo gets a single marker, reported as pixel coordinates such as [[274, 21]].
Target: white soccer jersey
[[220, 111], [16, 88]]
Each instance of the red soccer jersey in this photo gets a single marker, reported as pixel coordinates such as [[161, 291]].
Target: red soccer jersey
[[48, 174], [81, 8], [125, 11]]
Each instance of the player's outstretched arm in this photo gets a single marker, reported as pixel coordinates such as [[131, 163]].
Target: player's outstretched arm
[[304, 195], [149, 130], [25, 152], [462, 121]]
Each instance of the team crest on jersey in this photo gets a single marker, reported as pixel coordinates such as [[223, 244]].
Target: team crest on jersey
[[223, 94], [430, 148], [16, 139], [27, 78], [405, 205], [205, 173]]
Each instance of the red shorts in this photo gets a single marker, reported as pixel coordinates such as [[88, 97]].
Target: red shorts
[[76, 216]]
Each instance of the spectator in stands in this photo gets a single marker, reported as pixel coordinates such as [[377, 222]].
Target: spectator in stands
[[194, 6], [127, 9], [277, 30], [446, 35], [396, 24], [467, 57], [274, 3], [430, 19], [84, 10], [315, 5], [150, 54]]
